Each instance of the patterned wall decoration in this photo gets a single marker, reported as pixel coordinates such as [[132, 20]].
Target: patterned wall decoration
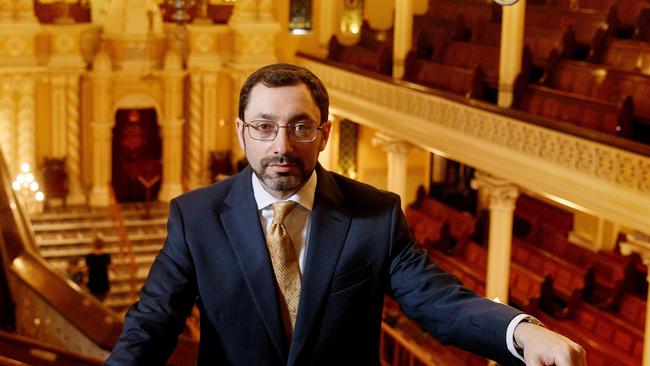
[[349, 133]]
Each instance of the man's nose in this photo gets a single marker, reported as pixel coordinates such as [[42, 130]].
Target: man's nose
[[282, 143]]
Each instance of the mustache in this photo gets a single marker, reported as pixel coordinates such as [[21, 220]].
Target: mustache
[[281, 159]]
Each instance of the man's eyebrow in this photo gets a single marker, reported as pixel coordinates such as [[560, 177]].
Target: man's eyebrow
[[263, 115], [301, 117]]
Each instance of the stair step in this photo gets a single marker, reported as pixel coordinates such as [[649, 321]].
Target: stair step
[[87, 240], [82, 212], [65, 226], [64, 233]]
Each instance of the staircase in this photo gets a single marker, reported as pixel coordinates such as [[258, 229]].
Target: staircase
[[63, 234]]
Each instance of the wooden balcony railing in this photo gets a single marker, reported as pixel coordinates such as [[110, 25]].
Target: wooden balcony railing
[[396, 350], [606, 175]]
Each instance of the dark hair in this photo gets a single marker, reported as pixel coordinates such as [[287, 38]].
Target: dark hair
[[277, 75], [98, 243]]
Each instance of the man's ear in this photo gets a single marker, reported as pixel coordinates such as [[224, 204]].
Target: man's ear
[[325, 132], [239, 125]]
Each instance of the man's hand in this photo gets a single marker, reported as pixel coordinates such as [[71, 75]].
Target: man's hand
[[543, 347]]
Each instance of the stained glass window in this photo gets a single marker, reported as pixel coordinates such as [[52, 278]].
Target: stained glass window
[[300, 16], [351, 16]]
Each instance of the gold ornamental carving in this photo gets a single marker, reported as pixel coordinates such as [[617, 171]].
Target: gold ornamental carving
[[64, 43], [204, 43], [15, 46]]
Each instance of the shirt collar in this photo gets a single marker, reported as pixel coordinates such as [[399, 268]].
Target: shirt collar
[[304, 197]]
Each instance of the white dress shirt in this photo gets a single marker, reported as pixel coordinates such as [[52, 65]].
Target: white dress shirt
[[298, 224]]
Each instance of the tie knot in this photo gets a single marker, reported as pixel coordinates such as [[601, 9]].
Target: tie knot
[[280, 210]]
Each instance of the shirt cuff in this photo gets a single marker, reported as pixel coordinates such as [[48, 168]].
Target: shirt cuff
[[510, 335]]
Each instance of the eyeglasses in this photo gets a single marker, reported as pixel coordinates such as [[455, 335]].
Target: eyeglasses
[[263, 130]]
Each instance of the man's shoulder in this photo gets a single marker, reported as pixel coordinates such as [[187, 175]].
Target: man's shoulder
[[210, 195], [357, 193]]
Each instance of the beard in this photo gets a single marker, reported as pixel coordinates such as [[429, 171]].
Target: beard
[[283, 182]]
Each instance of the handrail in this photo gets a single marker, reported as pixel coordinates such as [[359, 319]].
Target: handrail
[[101, 325], [5, 361], [98, 323], [414, 354], [22, 351], [125, 244]]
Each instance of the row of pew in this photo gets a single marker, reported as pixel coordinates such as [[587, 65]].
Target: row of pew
[[573, 290], [456, 49], [569, 31]]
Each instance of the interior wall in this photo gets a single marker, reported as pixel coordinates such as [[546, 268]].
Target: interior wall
[[379, 13]]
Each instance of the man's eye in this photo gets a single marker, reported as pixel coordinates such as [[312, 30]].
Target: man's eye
[[264, 127], [300, 127]]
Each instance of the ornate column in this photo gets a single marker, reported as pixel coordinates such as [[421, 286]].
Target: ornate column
[[512, 44], [102, 123], [204, 64], [253, 46], [24, 11], [8, 123], [398, 153], [195, 146], [7, 11], [403, 35], [244, 10], [254, 38], [26, 122], [439, 169], [172, 126], [328, 158], [438, 173], [640, 243], [265, 10], [73, 145], [501, 196], [58, 110], [213, 127]]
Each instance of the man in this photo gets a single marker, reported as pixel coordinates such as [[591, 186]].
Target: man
[[98, 263], [303, 283]]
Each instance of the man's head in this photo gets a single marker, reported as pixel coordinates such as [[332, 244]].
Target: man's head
[[294, 99], [277, 75]]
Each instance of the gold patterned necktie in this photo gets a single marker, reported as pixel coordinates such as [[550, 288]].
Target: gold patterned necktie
[[285, 264]]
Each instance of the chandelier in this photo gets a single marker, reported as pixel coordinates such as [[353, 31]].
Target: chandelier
[[27, 188]]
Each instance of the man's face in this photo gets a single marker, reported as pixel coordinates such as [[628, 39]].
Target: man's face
[[282, 165]]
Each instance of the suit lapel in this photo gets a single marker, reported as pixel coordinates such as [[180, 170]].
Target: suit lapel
[[329, 227], [242, 225]]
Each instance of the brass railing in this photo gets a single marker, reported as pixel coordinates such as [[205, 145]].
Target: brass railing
[[125, 247]]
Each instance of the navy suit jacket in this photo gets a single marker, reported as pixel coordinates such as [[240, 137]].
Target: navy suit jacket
[[359, 249]]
